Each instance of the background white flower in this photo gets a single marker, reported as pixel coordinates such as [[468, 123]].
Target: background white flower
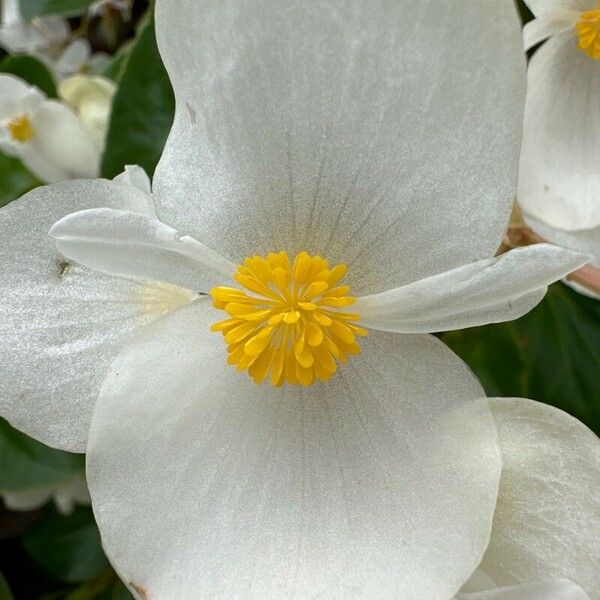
[[91, 99], [559, 179], [65, 496], [546, 525], [50, 40], [45, 134]]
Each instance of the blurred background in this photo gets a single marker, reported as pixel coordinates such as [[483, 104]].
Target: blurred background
[[49, 544]]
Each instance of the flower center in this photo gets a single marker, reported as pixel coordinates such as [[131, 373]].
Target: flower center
[[20, 129], [588, 30], [291, 325]]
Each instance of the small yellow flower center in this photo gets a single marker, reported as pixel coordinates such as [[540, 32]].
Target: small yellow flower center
[[21, 129], [588, 30], [290, 326]]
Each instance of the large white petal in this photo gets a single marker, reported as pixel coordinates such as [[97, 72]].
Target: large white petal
[[124, 243], [380, 134], [61, 324], [543, 7], [378, 484], [559, 177], [545, 590], [488, 291], [546, 524], [62, 139]]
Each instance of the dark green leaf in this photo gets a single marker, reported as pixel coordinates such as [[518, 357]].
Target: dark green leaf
[[31, 70], [26, 463], [15, 179], [67, 547], [36, 8], [143, 110], [551, 354], [118, 592], [5, 593]]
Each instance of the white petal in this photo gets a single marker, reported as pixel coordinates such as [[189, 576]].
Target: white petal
[[135, 176], [11, 12], [17, 96], [559, 178], [586, 240], [73, 58], [547, 25], [545, 590], [488, 291], [27, 499], [123, 243], [44, 168], [63, 140], [380, 134], [543, 7], [546, 524], [60, 324], [378, 484]]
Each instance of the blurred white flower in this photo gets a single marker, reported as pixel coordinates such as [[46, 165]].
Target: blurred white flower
[[48, 39], [65, 496], [78, 57], [302, 132], [44, 36], [45, 134], [91, 99], [559, 179]]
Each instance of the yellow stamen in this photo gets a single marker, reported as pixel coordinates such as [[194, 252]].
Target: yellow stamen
[[21, 129], [289, 328], [588, 30]]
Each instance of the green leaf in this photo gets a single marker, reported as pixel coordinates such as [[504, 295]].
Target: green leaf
[[142, 112], [5, 593], [15, 179], [68, 548], [26, 463], [31, 70], [551, 354], [37, 8], [116, 65]]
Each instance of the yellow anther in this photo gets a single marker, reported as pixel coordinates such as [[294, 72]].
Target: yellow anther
[[286, 324], [21, 129], [588, 30]]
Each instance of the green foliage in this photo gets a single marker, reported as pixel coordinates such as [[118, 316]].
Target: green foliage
[[143, 110], [551, 354], [27, 464], [37, 8], [67, 547], [15, 179], [5, 593], [31, 70]]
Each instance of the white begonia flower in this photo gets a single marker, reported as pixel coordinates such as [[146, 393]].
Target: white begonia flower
[[45, 134], [42, 37], [559, 179], [78, 58], [49, 40], [91, 98], [545, 541], [363, 133], [65, 496]]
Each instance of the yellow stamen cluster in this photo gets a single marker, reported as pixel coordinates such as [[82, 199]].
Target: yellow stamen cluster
[[588, 29], [21, 129], [289, 327]]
